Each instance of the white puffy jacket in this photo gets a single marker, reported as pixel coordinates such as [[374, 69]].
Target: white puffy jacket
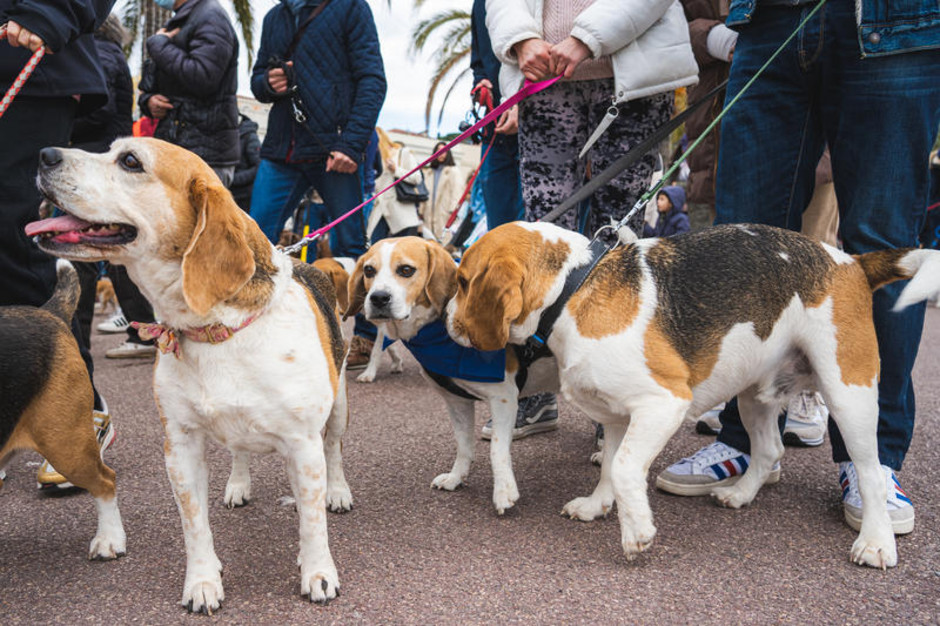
[[647, 40]]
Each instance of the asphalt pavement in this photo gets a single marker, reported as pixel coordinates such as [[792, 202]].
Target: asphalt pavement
[[407, 554]]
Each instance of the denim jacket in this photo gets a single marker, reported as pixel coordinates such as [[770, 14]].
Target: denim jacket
[[883, 27]]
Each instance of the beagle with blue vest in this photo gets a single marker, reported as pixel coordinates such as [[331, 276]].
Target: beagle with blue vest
[[48, 401], [251, 349], [666, 328], [403, 284]]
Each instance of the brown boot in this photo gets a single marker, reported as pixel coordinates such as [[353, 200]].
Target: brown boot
[[360, 350]]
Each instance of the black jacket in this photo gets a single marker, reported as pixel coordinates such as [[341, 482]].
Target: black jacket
[[197, 70], [95, 132], [247, 166], [66, 27]]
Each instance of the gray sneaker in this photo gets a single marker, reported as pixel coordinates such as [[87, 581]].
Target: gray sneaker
[[708, 422], [132, 350], [536, 414], [807, 415]]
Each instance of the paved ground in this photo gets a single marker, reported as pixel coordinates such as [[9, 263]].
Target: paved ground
[[408, 555]]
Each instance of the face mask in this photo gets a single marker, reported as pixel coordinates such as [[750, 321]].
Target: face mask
[[165, 4]]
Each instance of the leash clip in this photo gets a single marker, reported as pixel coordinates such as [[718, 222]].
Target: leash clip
[[612, 113]]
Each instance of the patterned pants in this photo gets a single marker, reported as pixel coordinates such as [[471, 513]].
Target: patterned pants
[[554, 125]]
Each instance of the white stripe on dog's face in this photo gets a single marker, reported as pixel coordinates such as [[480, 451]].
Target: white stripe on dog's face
[[394, 277]]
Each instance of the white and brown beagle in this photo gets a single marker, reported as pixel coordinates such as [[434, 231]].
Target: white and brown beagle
[[254, 357], [666, 328], [48, 401], [403, 285]]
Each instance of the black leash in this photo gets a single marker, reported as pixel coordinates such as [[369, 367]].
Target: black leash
[[635, 154]]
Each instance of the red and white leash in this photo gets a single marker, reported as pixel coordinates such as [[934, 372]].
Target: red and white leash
[[492, 116], [23, 76]]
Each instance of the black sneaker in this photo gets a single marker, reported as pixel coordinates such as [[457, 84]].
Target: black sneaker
[[536, 414]]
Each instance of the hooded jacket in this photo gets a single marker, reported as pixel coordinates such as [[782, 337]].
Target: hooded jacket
[[673, 222]]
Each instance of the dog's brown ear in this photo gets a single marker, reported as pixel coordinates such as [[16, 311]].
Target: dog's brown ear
[[218, 260], [494, 301], [441, 284], [355, 290], [338, 276]]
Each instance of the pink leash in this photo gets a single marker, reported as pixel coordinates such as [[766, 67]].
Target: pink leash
[[23, 76], [526, 91]]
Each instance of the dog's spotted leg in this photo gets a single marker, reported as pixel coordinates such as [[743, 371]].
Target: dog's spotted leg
[[394, 351], [651, 426], [238, 488], [306, 468], [339, 497], [760, 422], [461, 412], [505, 491], [599, 503], [188, 474]]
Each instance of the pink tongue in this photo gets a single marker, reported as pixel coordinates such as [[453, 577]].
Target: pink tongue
[[55, 225]]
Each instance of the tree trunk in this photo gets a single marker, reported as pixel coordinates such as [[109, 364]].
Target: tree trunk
[[153, 20]]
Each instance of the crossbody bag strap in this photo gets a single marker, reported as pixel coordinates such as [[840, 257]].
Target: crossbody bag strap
[[300, 29]]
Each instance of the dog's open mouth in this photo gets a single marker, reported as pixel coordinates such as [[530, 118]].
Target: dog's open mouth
[[70, 230]]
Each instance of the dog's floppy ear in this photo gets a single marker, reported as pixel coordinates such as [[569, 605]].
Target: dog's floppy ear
[[356, 290], [338, 276], [218, 260], [493, 302], [441, 284]]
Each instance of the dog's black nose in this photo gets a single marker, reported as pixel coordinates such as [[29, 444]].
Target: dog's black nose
[[380, 299], [50, 157]]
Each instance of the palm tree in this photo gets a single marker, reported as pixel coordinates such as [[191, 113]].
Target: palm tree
[[451, 30], [146, 14]]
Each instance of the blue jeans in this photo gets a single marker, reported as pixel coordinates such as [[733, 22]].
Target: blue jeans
[[499, 178], [879, 116], [279, 188]]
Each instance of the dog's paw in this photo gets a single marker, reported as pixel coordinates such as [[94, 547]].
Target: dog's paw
[[880, 554], [237, 494], [731, 497], [367, 376], [339, 498], [107, 546], [397, 367], [635, 541], [504, 497], [204, 596], [587, 509], [319, 584], [597, 458], [447, 482]]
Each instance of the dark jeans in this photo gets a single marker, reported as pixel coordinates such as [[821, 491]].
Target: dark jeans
[[499, 178], [879, 116], [279, 187], [134, 306], [28, 275]]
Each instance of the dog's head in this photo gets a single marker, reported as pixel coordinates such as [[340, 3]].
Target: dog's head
[[505, 280], [152, 206], [401, 277]]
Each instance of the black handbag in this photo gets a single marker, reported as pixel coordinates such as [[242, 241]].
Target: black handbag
[[408, 192]]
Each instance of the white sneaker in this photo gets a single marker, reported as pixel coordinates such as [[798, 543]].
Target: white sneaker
[[708, 422], [131, 350], [807, 415], [900, 507], [714, 465], [117, 323]]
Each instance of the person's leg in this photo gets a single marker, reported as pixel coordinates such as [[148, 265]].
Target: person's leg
[[881, 116], [135, 308], [341, 193], [85, 311], [225, 174], [276, 193], [499, 178]]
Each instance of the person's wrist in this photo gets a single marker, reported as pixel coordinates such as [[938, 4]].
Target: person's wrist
[[720, 42]]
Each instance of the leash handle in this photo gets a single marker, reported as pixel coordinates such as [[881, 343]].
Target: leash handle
[[527, 90], [23, 76]]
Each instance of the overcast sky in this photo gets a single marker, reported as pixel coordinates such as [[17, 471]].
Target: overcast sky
[[408, 77]]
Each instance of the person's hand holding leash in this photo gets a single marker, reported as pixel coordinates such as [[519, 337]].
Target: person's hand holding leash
[[340, 163], [19, 37], [159, 106], [277, 78], [508, 122], [168, 33], [535, 59], [567, 55]]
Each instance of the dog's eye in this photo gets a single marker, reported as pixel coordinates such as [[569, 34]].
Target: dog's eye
[[130, 162], [406, 271], [368, 271]]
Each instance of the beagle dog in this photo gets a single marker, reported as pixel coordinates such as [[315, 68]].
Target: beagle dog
[[403, 284], [667, 328], [252, 353], [338, 269], [48, 402], [105, 298]]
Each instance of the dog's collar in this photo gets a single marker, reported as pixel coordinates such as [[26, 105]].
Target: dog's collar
[[539, 341], [168, 339]]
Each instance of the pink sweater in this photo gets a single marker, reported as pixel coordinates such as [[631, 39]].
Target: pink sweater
[[557, 22]]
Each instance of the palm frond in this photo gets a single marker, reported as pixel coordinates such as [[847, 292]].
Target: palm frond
[[427, 28], [131, 21], [246, 20], [441, 72]]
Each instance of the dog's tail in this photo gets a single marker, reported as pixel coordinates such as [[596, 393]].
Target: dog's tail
[[64, 300], [922, 267]]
